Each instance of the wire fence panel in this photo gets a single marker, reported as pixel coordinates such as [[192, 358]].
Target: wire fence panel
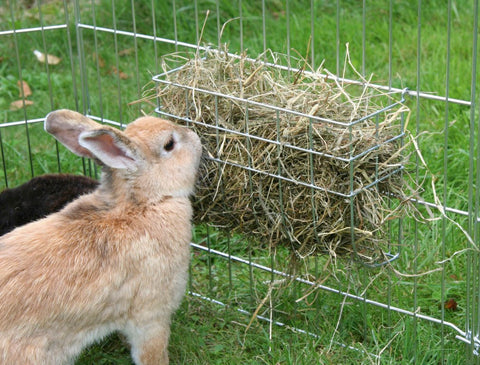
[[339, 203]]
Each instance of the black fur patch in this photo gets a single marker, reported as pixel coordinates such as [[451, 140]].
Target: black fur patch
[[40, 197]]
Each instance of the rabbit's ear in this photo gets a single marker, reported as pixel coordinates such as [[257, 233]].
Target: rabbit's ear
[[111, 147], [66, 126]]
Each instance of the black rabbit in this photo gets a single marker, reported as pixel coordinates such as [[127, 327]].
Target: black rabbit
[[40, 197]]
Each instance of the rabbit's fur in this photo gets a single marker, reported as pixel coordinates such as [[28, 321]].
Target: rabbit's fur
[[115, 259], [40, 197]]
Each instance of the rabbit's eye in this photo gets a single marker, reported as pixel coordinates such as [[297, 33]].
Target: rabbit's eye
[[169, 145]]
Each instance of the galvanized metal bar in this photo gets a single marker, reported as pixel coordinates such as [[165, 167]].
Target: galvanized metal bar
[[413, 93], [416, 240], [474, 205], [117, 63], [459, 332], [33, 29], [99, 88], [20, 78], [445, 178], [159, 78], [136, 55]]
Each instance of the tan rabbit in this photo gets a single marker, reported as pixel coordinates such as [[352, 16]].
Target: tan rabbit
[[112, 260]]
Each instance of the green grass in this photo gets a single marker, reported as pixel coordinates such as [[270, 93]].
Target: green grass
[[205, 332]]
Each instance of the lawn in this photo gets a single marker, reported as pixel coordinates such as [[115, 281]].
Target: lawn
[[102, 73]]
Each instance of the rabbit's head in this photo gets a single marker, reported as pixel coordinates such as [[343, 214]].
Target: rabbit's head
[[151, 158]]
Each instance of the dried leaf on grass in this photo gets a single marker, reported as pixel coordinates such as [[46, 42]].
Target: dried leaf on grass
[[25, 90], [99, 59], [18, 104], [118, 72], [126, 52], [451, 305], [47, 58]]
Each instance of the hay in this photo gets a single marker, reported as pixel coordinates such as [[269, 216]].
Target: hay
[[280, 146]]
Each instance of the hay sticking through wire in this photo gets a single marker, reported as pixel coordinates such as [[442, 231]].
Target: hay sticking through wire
[[290, 162]]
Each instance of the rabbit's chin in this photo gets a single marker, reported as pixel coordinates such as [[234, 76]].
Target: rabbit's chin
[[182, 193]]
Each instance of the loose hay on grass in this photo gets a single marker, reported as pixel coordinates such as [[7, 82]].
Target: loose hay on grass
[[293, 158]]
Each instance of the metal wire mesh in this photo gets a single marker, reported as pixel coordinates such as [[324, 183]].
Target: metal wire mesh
[[436, 259]]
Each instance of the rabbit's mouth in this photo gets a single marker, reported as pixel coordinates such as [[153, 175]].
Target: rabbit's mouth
[[206, 167]]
